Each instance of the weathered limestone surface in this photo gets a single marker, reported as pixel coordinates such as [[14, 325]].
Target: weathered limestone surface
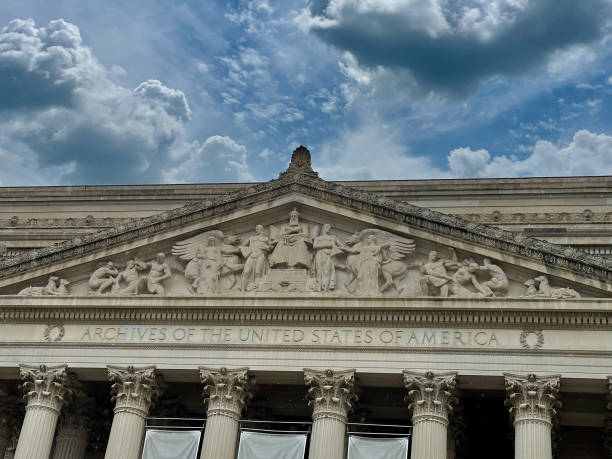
[[431, 397], [226, 393], [134, 389], [533, 402], [45, 390], [331, 396]]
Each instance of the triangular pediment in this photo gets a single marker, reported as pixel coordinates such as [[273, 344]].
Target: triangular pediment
[[375, 246]]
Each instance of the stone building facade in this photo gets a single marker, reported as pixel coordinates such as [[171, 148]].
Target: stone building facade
[[474, 312]]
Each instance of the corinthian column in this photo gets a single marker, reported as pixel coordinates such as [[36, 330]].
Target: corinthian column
[[226, 393], [73, 429], [45, 389], [331, 396], [134, 390], [533, 401], [431, 397], [8, 420]]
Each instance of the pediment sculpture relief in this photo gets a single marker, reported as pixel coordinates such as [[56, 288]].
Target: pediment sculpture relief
[[298, 256]]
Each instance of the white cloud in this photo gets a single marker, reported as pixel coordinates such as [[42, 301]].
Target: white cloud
[[218, 159], [586, 154], [570, 62], [371, 152], [64, 110]]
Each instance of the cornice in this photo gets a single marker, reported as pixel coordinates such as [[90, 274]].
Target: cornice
[[451, 226], [417, 312]]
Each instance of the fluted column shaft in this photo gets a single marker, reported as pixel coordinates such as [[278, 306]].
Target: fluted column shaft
[[226, 393], [45, 388], [331, 396], [70, 443], [533, 401], [431, 398], [134, 389]]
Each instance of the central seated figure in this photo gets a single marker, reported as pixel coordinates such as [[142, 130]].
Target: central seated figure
[[292, 242]]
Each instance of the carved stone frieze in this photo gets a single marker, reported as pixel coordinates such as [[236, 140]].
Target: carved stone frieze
[[134, 389], [330, 393], [44, 386], [431, 396], [532, 398], [225, 390], [539, 287], [55, 287], [299, 179]]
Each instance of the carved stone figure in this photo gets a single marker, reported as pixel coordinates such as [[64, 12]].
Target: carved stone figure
[[539, 287], [292, 244], [55, 287], [131, 276], [103, 278], [255, 251], [435, 275], [388, 257], [326, 247], [368, 266], [211, 256], [159, 272], [463, 277], [498, 281]]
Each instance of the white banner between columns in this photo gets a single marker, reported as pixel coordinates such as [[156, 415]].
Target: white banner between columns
[[377, 448], [257, 445], [171, 444]]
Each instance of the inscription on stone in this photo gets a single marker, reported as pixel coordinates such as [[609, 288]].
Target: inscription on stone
[[406, 337]]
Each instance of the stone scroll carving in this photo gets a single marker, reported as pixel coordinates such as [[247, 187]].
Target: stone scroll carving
[[532, 397], [225, 390], [330, 393], [430, 396], [44, 386]]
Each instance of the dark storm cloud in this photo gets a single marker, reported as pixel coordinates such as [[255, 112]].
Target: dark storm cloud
[[451, 55]]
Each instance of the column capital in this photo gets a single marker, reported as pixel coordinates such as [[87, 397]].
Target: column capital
[[532, 397], [330, 393], [225, 390], [134, 389], [431, 396], [44, 386]]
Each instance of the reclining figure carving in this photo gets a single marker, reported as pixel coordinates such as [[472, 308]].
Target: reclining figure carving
[[539, 287]]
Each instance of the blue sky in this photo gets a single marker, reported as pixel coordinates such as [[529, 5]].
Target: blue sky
[[157, 91]]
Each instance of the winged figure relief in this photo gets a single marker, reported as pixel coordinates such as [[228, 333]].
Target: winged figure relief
[[372, 252], [210, 256]]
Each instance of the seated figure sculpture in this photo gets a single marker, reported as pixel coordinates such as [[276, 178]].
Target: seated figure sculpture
[[292, 242]]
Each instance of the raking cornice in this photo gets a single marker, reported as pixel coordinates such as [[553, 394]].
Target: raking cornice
[[514, 243]]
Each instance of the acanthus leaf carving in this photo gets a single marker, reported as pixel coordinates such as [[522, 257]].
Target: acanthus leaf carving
[[225, 390], [44, 386], [430, 396], [330, 393], [532, 397], [134, 389]]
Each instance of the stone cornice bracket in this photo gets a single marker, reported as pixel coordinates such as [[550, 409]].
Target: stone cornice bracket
[[134, 389], [431, 396], [225, 390], [47, 387], [532, 398], [330, 393], [300, 163]]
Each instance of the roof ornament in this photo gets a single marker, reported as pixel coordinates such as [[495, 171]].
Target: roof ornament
[[300, 163]]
